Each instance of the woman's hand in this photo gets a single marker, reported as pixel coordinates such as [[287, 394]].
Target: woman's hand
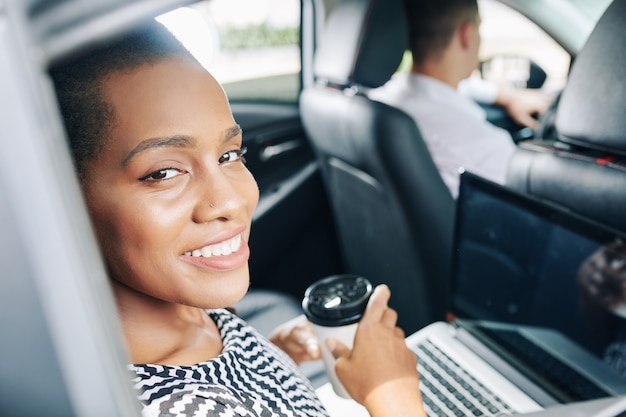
[[297, 339], [380, 371]]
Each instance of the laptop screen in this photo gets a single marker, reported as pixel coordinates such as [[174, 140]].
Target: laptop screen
[[523, 261]]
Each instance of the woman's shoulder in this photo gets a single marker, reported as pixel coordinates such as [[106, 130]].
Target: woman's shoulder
[[229, 381], [233, 329], [225, 317]]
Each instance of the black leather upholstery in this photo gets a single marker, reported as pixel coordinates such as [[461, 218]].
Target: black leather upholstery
[[585, 169], [362, 43], [393, 212], [591, 110]]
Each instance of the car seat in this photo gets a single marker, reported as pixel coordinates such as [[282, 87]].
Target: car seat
[[584, 167], [394, 215]]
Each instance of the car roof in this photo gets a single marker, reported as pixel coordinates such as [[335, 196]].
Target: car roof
[[569, 22], [64, 27]]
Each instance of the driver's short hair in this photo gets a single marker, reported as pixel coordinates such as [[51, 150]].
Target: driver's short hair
[[432, 23]]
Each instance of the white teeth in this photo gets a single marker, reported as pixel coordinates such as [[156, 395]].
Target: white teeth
[[235, 243], [220, 249], [206, 251]]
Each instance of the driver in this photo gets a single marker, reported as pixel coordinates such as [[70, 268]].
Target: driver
[[444, 42]]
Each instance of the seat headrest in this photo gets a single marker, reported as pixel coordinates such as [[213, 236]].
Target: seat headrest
[[362, 43], [591, 109]]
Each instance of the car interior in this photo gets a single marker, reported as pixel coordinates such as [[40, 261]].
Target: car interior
[[583, 168], [346, 184], [392, 210]]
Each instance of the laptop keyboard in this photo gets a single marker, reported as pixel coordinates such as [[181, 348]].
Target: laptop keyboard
[[448, 390]]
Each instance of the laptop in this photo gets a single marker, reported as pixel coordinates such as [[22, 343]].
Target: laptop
[[522, 333]]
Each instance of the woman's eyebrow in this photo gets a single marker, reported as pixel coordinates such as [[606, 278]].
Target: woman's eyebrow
[[178, 141], [232, 132]]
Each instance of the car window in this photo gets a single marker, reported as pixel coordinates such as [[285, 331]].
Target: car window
[[513, 37], [252, 47]]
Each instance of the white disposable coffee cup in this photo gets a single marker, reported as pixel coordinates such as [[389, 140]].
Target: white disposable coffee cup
[[334, 306]]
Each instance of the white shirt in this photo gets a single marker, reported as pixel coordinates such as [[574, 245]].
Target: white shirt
[[478, 89], [453, 126]]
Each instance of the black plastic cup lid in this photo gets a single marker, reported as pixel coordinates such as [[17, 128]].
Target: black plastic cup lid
[[337, 300]]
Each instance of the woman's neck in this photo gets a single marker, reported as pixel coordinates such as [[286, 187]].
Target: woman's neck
[[165, 333]]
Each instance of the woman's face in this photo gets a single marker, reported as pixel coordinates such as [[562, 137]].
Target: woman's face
[[169, 195]]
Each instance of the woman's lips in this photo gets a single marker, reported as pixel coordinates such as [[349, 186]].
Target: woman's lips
[[219, 249], [227, 255]]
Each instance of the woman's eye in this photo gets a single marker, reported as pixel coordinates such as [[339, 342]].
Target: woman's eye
[[161, 174], [234, 155]]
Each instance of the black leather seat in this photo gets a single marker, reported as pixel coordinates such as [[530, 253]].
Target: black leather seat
[[394, 214], [584, 169]]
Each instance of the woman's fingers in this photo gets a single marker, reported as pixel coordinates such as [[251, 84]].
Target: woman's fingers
[[337, 348], [377, 303], [297, 339], [377, 310], [389, 318]]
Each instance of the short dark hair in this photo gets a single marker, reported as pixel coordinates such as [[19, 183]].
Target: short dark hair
[[432, 23], [88, 117]]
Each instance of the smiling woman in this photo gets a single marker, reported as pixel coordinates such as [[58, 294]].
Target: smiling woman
[[171, 201], [148, 192]]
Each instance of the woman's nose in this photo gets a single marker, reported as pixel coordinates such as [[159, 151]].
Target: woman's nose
[[219, 197]]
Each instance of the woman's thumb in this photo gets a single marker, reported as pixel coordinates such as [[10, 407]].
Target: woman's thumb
[[337, 348]]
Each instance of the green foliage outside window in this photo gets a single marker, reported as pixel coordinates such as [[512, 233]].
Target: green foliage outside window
[[258, 36]]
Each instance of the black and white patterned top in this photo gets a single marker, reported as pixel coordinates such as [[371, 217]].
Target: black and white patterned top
[[250, 378]]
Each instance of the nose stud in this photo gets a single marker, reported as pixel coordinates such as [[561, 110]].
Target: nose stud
[[211, 205]]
